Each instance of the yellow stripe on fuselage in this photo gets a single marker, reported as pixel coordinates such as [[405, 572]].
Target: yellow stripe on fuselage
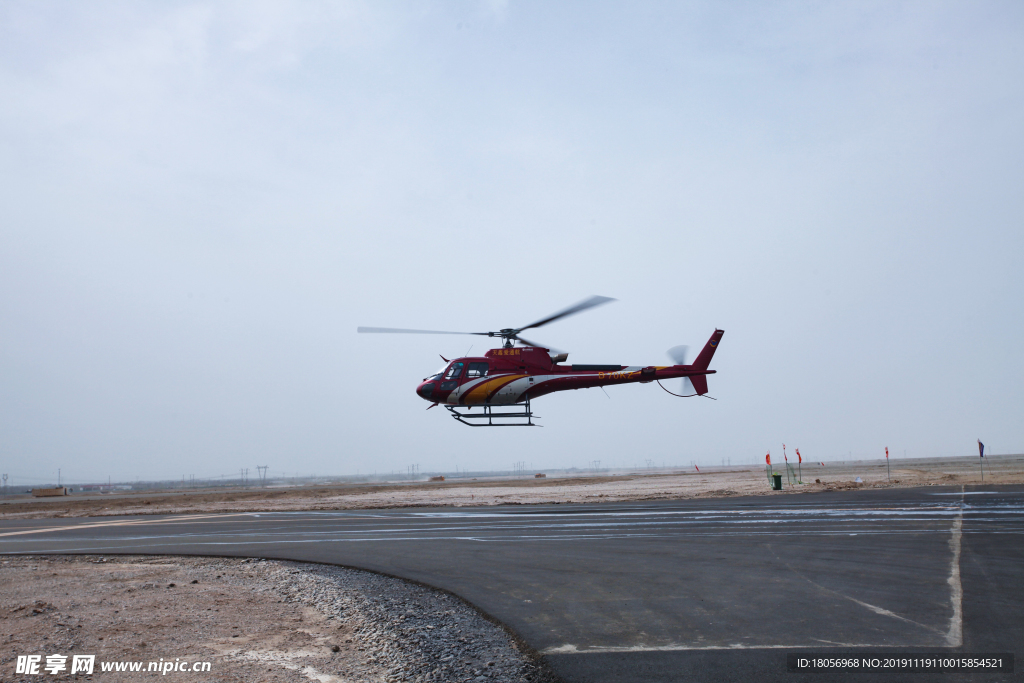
[[483, 391]]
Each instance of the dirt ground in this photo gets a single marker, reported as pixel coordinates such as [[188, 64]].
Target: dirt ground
[[654, 485], [148, 609], [251, 620]]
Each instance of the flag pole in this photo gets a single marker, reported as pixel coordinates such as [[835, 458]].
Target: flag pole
[[981, 455], [888, 474], [788, 481]]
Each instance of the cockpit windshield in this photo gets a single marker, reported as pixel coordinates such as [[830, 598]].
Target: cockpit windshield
[[454, 371], [436, 375]]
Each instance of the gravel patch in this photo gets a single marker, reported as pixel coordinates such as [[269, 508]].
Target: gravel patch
[[254, 620], [409, 632]]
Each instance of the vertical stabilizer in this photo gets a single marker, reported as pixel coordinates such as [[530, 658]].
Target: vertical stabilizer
[[704, 359]]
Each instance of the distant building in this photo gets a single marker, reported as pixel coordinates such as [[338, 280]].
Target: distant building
[[42, 493]]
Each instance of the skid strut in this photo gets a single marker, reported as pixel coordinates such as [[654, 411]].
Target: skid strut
[[489, 415]]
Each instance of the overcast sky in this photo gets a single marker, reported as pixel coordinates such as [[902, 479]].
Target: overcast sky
[[200, 202]]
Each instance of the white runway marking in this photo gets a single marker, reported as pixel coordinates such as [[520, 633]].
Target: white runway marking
[[873, 608], [569, 649], [955, 636], [511, 527], [117, 522], [968, 493]]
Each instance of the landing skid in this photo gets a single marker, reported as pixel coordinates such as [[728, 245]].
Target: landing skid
[[489, 415]]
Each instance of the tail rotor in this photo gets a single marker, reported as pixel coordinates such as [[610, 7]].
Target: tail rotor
[[678, 356]]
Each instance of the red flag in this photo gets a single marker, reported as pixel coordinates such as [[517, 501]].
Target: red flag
[[695, 467], [768, 458], [798, 458], [886, 452]]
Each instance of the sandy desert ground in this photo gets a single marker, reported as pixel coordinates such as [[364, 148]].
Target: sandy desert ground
[[604, 487]]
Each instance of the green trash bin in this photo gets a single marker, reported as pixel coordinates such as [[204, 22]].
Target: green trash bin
[[777, 482]]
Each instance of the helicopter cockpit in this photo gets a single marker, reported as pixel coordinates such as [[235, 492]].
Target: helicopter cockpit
[[459, 370], [434, 376]]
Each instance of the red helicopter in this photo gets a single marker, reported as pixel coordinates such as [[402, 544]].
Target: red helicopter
[[514, 375]]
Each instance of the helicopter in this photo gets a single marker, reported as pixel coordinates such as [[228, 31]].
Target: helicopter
[[521, 370]]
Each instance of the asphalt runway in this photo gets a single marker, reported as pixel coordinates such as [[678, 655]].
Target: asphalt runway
[[696, 590]]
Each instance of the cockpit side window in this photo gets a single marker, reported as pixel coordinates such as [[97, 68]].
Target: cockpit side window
[[454, 371], [477, 370]]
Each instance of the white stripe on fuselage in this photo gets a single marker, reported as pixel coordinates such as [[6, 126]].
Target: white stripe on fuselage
[[513, 391]]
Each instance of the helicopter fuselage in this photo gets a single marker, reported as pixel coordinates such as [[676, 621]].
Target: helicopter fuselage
[[513, 375]]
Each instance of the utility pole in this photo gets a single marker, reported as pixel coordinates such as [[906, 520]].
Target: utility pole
[[58, 477], [5, 485], [262, 469]]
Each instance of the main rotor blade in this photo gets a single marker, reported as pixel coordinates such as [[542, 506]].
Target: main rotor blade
[[390, 330], [678, 354], [539, 346], [572, 310]]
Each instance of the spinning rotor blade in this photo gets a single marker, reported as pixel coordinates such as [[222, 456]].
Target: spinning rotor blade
[[376, 330], [539, 346], [572, 310], [678, 354], [508, 334]]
